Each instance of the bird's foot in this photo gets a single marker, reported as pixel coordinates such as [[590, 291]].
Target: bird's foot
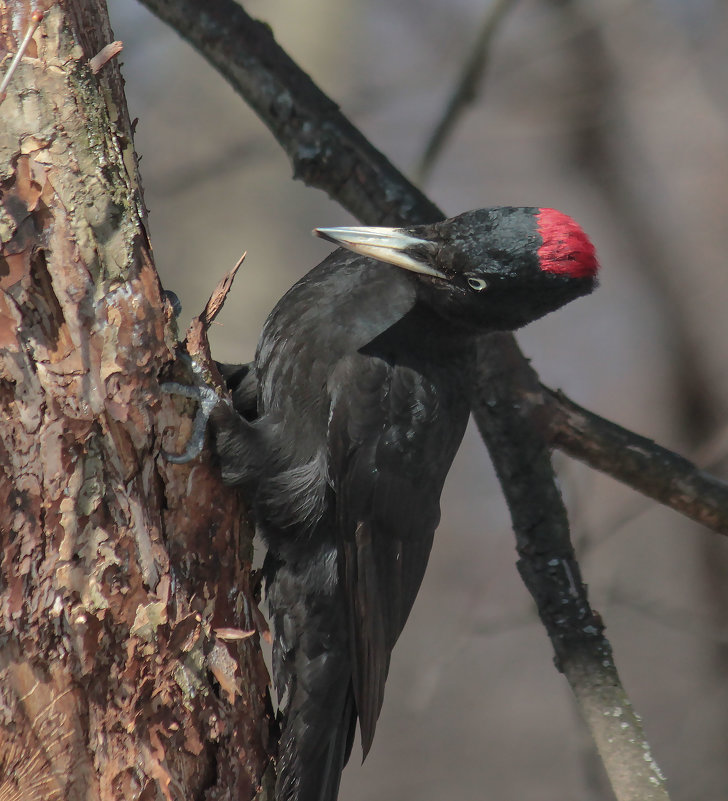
[[207, 399], [174, 302]]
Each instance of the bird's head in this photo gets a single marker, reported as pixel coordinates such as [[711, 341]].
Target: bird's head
[[488, 269]]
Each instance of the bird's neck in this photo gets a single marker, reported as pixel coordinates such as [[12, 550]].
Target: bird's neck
[[423, 336]]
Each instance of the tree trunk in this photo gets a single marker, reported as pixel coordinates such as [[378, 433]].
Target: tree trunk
[[130, 665]]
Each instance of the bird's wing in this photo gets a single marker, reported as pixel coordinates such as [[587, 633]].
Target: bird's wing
[[388, 458]]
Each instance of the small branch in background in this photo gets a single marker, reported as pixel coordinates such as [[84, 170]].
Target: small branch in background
[[636, 461], [36, 18], [466, 87], [672, 617]]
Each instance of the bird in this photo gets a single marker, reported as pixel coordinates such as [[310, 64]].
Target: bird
[[343, 431]]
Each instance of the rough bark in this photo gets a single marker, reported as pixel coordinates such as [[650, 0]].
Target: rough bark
[[129, 658]]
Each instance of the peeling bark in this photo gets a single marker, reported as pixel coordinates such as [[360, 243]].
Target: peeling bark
[[123, 578]]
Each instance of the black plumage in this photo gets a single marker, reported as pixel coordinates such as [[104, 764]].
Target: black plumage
[[362, 384]]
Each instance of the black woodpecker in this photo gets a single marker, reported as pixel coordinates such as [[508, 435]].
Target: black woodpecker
[[362, 383]]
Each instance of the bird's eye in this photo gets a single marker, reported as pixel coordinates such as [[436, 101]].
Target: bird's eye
[[477, 284]]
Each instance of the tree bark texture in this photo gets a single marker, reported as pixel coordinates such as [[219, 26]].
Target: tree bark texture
[[130, 665]]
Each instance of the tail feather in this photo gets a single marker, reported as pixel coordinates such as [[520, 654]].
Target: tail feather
[[312, 757], [312, 674]]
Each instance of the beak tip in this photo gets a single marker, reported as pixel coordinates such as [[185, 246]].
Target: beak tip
[[325, 233]]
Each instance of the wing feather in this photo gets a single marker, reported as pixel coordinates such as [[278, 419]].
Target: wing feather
[[388, 457]]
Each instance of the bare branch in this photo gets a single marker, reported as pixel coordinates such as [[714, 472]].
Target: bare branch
[[636, 461], [466, 87], [549, 569]]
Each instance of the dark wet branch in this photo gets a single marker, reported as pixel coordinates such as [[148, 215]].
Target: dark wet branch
[[548, 566], [326, 150], [636, 461]]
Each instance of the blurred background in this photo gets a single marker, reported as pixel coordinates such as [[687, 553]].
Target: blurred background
[[617, 113]]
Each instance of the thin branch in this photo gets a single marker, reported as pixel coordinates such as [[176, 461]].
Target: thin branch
[[466, 87], [36, 18], [636, 461]]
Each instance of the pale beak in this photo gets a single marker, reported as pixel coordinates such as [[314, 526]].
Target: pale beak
[[384, 244]]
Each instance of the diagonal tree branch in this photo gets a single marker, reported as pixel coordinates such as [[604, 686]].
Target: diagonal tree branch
[[637, 461], [549, 569]]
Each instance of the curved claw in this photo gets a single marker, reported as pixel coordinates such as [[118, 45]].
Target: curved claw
[[207, 400]]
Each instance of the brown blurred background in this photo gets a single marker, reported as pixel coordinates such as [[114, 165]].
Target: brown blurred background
[[615, 112]]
